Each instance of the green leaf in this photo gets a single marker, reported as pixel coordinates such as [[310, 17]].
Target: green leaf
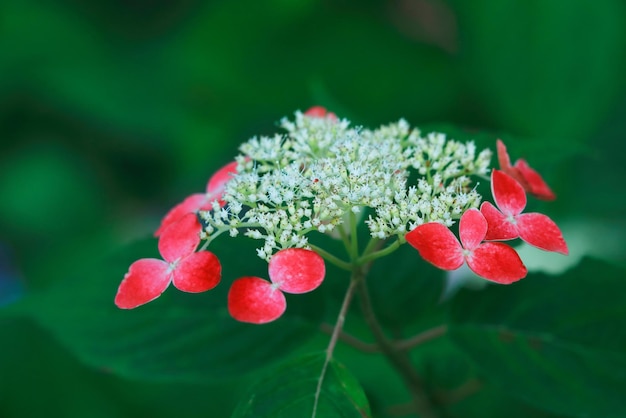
[[558, 343], [404, 287], [523, 60], [289, 392], [179, 336]]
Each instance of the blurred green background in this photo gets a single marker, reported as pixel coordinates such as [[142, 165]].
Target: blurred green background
[[113, 111]]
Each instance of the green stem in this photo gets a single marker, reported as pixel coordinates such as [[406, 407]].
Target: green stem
[[331, 258], [371, 246], [344, 237], [396, 357], [341, 319], [354, 241], [422, 337], [377, 254], [406, 344]]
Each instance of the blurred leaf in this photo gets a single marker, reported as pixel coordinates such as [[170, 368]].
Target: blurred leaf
[[50, 53], [537, 65], [555, 342], [403, 287], [177, 337], [290, 392], [47, 189], [40, 379]]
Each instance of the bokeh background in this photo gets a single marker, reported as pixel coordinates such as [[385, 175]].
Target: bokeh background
[[113, 111]]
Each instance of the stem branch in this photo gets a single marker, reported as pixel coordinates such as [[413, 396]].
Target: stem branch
[[398, 359], [331, 258], [341, 318]]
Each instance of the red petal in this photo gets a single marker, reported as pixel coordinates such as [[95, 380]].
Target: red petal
[[437, 245], [296, 270], [503, 156], [254, 300], [505, 165], [181, 238], [500, 228], [197, 272], [472, 229], [534, 182], [191, 204], [508, 193], [497, 262], [316, 112], [217, 182], [320, 112], [145, 281], [540, 231]]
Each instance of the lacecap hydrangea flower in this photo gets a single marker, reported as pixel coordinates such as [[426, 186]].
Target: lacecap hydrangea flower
[[323, 175]]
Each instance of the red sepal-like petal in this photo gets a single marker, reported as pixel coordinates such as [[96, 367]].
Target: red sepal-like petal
[[316, 112], [540, 231], [320, 112], [198, 272], [146, 279], [472, 229], [437, 245], [181, 238], [528, 178], [191, 204], [500, 228], [508, 193], [217, 182], [296, 270], [534, 182], [254, 300], [503, 156], [497, 262]]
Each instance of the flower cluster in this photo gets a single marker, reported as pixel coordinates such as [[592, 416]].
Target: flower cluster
[[323, 175]]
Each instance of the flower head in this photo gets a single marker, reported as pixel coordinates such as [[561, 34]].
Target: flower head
[[322, 175], [530, 180], [508, 222], [491, 260], [188, 270]]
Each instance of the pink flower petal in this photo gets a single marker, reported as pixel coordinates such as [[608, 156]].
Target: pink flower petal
[[254, 300], [437, 245], [534, 182], [320, 112], [472, 229], [508, 193], [296, 270], [316, 112], [146, 279], [497, 262], [197, 272], [500, 228], [528, 178], [191, 204], [217, 182], [181, 238], [540, 231]]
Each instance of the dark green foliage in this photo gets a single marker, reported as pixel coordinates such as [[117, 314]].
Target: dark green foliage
[[112, 112]]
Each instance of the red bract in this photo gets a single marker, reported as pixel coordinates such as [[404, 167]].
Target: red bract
[[297, 270], [254, 300], [320, 112], [294, 270], [530, 180], [509, 222], [190, 271], [491, 260], [200, 201]]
